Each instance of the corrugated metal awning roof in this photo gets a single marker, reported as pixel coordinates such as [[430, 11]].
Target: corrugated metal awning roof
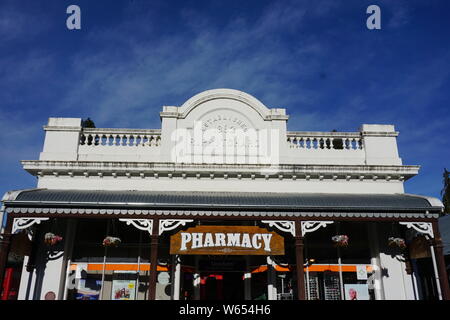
[[259, 200]]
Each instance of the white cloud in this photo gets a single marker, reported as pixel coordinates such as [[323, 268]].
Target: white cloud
[[19, 22], [119, 84]]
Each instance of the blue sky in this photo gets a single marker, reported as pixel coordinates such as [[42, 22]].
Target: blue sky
[[315, 58]]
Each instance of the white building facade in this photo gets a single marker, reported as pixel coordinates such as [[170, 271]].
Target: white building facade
[[223, 173]]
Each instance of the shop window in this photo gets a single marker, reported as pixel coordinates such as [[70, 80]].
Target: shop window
[[340, 269], [109, 270]]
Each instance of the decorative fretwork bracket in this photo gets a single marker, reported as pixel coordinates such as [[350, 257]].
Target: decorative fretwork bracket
[[171, 224], [164, 225], [141, 224], [285, 226], [24, 223], [425, 228], [311, 226]]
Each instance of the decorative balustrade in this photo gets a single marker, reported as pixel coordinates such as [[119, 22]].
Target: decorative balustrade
[[325, 140], [120, 137]]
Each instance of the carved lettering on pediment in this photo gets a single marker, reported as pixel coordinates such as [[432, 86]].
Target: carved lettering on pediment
[[224, 123]]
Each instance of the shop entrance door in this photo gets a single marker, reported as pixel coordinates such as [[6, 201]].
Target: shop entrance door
[[222, 286], [222, 277]]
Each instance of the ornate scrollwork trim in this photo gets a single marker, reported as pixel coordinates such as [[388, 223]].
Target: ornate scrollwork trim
[[24, 223], [311, 226], [423, 227], [141, 224], [171, 224], [285, 226]]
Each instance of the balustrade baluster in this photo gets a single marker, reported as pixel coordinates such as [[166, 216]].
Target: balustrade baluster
[[321, 141], [131, 140], [122, 139], [138, 140], [82, 139]]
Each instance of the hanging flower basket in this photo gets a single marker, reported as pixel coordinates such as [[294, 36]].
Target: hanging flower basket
[[340, 240], [397, 242], [111, 241], [51, 239]]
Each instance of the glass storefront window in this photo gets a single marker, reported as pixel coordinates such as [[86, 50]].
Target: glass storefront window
[[338, 272], [115, 272]]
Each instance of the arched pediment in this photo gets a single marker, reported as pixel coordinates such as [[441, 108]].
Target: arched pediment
[[228, 94]]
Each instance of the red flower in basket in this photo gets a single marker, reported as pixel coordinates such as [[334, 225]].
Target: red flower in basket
[[340, 240], [397, 242], [111, 241], [51, 239]]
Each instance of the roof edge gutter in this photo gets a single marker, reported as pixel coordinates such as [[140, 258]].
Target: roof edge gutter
[[212, 206]]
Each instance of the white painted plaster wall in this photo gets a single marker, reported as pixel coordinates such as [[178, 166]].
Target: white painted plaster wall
[[397, 284], [221, 184]]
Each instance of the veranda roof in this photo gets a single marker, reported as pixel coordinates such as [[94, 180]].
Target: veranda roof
[[221, 203]]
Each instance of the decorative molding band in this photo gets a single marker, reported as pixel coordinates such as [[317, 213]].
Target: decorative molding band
[[311, 226], [171, 224], [24, 223], [141, 224], [137, 212], [285, 226], [288, 171], [423, 227]]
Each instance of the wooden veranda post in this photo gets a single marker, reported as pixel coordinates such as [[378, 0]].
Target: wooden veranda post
[[299, 261], [153, 260], [5, 242], [442, 271]]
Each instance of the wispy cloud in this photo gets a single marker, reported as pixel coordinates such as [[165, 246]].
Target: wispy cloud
[[242, 54], [315, 58], [19, 23]]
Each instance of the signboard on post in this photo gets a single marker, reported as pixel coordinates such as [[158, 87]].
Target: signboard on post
[[227, 240]]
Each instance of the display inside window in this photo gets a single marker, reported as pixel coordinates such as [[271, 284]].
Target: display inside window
[[124, 285], [356, 291]]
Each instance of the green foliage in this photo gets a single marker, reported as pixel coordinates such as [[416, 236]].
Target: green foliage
[[337, 143], [446, 191], [87, 123]]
